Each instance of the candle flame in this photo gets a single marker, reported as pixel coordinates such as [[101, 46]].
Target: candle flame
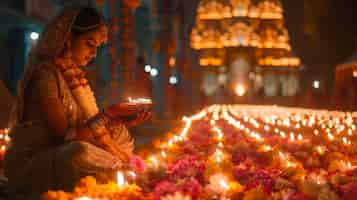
[[120, 179]]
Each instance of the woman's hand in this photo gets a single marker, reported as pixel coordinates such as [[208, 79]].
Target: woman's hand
[[109, 145], [129, 114]]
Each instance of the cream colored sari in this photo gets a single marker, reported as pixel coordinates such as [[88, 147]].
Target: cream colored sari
[[37, 161]]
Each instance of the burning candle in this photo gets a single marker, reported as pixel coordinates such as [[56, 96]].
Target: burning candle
[[163, 154], [266, 148], [282, 134], [321, 150], [218, 156], [132, 174], [223, 184], [292, 137], [120, 179], [330, 137], [300, 138], [316, 132], [266, 128], [290, 164], [140, 101], [345, 141], [218, 183], [349, 132], [154, 162], [83, 198]]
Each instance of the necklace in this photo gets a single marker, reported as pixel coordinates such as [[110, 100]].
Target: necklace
[[76, 79]]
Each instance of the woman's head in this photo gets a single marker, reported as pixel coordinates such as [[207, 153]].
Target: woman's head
[[88, 32]]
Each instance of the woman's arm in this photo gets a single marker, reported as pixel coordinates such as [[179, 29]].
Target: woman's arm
[[44, 88], [52, 110], [54, 114]]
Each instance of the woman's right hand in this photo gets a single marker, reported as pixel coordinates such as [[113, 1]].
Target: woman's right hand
[[121, 110], [128, 114], [107, 143]]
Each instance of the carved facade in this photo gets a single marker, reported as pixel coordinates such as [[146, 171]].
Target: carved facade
[[247, 42]]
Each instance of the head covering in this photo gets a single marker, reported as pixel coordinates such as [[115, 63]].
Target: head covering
[[56, 34], [50, 45]]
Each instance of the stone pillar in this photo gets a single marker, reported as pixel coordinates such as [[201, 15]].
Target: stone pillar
[[165, 9], [114, 49]]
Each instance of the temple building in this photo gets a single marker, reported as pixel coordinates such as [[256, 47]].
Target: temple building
[[244, 50]]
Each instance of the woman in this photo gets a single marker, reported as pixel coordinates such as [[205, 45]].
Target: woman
[[61, 136]]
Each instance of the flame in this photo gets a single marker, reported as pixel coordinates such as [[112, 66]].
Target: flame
[[240, 90], [120, 179]]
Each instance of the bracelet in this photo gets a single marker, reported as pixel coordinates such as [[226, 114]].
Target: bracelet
[[98, 125]]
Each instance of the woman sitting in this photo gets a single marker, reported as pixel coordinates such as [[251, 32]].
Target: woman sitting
[[60, 135]]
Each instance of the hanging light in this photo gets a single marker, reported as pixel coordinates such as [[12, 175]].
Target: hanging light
[[316, 84], [154, 72], [173, 80], [147, 68], [172, 61], [34, 36]]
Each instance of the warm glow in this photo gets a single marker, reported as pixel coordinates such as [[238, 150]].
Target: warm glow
[[147, 68], [83, 198], [218, 156], [223, 184], [292, 137], [211, 61], [216, 10], [153, 161], [240, 90], [140, 100], [34, 36], [154, 72], [300, 138], [280, 62], [316, 84], [172, 61], [266, 148], [303, 125], [120, 179], [132, 174], [290, 164], [354, 73], [321, 150]]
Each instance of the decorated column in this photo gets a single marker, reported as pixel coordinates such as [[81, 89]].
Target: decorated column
[[128, 58], [113, 49]]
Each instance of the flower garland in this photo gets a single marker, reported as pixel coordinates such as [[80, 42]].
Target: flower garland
[[89, 189], [79, 85]]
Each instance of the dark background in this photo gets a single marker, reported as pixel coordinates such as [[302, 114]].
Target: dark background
[[323, 33]]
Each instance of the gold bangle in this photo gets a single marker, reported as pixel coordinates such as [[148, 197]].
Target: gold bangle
[[98, 125]]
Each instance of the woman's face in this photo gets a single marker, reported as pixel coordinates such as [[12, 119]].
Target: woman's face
[[84, 47]]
